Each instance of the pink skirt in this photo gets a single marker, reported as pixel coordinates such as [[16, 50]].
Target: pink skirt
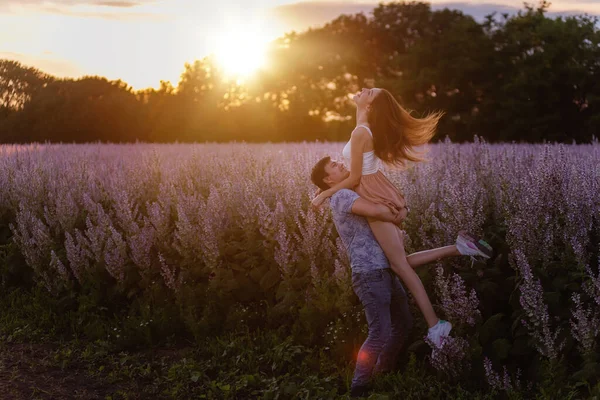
[[378, 189]]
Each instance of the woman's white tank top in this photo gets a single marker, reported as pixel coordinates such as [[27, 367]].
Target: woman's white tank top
[[371, 163]]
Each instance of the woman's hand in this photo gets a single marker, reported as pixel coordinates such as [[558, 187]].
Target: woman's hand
[[318, 201]]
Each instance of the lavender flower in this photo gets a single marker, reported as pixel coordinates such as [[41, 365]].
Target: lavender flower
[[505, 383], [585, 324], [452, 358], [78, 254], [592, 286], [537, 318], [118, 206], [172, 280], [457, 306]]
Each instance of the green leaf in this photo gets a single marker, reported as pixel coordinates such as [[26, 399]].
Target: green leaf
[[414, 347], [520, 346], [552, 299], [281, 292], [195, 376], [501, 348], [270, 279], [514, 299], [559, 283], [490, 327], [468, 275], [498, 262], [488, 288], [237, 267], [573, 287], [290, 388], [256, 274]]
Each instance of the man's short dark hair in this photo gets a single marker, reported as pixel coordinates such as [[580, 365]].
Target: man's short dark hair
[[318, 173]]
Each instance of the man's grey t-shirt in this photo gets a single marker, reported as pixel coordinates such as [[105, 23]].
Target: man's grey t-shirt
[[363, 249]]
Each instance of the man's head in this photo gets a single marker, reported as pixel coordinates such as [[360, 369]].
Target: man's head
[[328, 172]]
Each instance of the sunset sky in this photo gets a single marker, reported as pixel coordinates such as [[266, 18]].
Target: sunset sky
[[145, 41]]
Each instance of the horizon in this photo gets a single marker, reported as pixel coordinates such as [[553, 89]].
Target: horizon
[[144, 42]]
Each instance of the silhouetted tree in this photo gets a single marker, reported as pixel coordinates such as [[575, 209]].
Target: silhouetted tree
[[546, 78], [525, 77], [88, 109]]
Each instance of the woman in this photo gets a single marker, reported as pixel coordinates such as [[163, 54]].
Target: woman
[[386, 132]]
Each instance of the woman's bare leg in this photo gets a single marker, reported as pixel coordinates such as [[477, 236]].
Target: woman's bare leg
[[428, 256], [391, 241]]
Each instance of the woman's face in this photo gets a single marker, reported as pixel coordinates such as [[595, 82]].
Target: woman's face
[[364, 98]]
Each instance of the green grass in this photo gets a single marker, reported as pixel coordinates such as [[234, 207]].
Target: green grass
[[93, 353], [40, 334], [236, 366]]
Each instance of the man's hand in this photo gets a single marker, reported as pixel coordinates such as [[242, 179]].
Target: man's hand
[[379, 212], [400, 216], [392, 215]]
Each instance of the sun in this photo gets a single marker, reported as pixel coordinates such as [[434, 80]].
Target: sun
[[240, 53]]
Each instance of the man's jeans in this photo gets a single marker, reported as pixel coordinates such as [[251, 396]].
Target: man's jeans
[[389, 319]]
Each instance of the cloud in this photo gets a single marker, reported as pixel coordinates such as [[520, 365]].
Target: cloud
[[302, 15], [69, 7], [53, 66], [479, 11], [123, 4], [101, 9], [107, 3], [580, 1], [99, 14]]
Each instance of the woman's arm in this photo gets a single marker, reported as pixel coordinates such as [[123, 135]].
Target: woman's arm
[[358, 142]]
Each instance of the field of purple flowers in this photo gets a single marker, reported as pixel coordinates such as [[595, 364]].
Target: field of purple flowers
[[218, 228]]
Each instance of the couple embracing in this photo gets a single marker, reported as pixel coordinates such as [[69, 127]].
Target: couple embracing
[[368, 211]]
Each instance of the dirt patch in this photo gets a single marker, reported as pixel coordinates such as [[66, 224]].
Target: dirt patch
[[28, 371]]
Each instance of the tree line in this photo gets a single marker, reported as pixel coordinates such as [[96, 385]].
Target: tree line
[[523, 78]]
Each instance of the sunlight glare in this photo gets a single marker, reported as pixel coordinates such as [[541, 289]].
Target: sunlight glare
[[241, 53]]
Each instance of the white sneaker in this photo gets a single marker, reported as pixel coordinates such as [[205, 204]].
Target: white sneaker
[[469, 245], [439, 331]]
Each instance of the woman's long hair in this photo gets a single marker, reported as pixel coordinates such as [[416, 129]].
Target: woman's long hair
[[396, 133]]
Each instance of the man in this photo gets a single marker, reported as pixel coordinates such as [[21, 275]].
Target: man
[[378, 288]]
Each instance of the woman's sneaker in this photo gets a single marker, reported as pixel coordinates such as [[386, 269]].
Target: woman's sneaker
[[469, 245], [438, 332]]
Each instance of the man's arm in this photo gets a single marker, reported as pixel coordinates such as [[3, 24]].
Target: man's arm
[[365, 208]]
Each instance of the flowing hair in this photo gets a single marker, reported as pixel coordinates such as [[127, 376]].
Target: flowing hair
[[396, 133]]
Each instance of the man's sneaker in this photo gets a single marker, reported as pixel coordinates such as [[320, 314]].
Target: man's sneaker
[[438, 332], [469, 245]]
